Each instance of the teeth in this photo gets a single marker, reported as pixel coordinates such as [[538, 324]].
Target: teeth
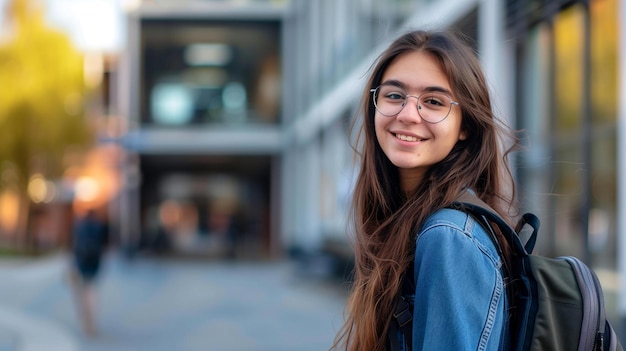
[[406, 137]]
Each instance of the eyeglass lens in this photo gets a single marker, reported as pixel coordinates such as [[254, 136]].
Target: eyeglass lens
[[433, 107]]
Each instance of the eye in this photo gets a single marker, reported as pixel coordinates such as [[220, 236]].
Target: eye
[[394, 96], [434, 100]]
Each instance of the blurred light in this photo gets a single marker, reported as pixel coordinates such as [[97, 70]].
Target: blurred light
[[37, 188], [40, 189], [86, 189], [208, 54], [93, 181], [170, 213], [51, 191], [93, 67], [9, 210], [171, 103]]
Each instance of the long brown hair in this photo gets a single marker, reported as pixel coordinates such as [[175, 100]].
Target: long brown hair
[[386, 218]]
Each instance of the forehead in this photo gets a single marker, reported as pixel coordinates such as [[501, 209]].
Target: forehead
[[416, 70]]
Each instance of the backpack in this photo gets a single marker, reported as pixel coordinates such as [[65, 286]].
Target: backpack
[[556, 303]]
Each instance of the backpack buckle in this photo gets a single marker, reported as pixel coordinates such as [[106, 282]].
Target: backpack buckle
[[403, 313]]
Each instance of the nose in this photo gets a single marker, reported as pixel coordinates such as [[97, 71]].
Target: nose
[[410, 113]]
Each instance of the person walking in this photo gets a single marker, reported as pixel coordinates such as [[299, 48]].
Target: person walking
[[428, 134], [90, 238]]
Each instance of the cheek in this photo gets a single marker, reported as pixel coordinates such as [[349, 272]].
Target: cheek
[[455, 129]]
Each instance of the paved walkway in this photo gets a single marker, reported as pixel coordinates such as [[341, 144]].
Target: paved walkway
[[149, 304], [22, 279]]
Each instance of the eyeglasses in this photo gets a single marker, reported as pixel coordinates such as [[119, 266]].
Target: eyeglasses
[[432, 106]]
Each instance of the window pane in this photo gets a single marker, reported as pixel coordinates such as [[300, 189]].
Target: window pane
[[210, 72], [602, 230], [534, 107], [567, 141]]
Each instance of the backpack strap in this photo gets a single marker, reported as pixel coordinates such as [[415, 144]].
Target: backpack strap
[[470, 203], [520, 291], [403, 313]]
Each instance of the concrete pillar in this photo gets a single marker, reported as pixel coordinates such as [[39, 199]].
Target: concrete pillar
[[491, 49], [621, 168]]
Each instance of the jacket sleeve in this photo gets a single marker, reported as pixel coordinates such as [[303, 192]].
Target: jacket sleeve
[[459, 297]]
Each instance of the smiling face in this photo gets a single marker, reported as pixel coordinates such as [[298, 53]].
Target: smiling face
[[412, 144]]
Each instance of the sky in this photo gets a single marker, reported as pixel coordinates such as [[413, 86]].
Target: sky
[[93, 25]]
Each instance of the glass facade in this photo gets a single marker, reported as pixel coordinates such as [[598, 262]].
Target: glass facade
[[327, 39], [567, 142], [604, 102], [567, 106], [214, 72], [533, 106]]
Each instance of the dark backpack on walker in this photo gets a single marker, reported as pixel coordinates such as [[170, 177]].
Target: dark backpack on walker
[[556, 304]]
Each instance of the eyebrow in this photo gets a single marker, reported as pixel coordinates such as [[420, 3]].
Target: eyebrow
[[400, 84]]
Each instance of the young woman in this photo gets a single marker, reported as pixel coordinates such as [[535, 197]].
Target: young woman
[[428, 135]]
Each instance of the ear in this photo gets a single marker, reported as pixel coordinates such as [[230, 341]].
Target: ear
[[463, 135]]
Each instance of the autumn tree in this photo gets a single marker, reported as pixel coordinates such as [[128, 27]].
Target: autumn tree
[[41, 103]]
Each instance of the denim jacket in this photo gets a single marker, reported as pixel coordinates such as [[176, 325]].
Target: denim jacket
[[460, 300]]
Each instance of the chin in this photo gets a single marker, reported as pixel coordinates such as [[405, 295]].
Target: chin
[[405, 164]]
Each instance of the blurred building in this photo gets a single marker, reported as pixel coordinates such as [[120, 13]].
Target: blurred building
[[242, 109], [200, 87]]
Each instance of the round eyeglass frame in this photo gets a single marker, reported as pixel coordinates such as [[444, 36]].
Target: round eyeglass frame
[[406, 100]]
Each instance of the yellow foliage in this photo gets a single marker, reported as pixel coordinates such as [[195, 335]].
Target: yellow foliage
[[41, 103]]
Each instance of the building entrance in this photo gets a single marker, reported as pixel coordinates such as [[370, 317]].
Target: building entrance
[[213, 206]]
